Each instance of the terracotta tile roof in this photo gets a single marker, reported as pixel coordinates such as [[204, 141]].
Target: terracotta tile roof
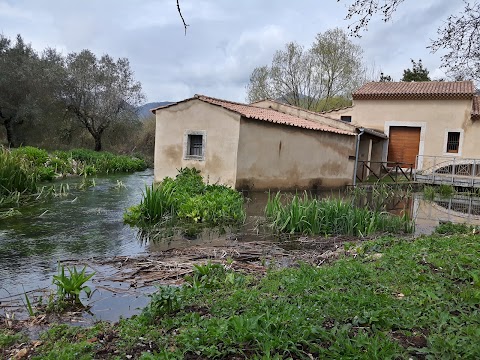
[[415, 90], [476, 108], [268, 115]]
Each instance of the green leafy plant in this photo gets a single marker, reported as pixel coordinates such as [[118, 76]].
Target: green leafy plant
[[71, 285], [165, 300], [449, 228]]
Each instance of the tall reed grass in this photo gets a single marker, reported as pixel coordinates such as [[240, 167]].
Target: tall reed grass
[[310, 216], [16, 174]]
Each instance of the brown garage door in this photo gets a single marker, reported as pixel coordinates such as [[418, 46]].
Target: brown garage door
[[403, 144]]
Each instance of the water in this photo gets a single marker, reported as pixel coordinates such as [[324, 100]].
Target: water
[[87, 224], [81, 225]]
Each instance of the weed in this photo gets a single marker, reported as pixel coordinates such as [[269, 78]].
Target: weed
[[69, 286], [429, 192], [446, 190], [449, 228], [165, 300]]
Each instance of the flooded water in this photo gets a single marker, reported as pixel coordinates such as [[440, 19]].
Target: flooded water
[[88, 224], [83, 224]]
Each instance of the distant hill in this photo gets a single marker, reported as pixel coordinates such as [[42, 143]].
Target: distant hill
[[144, 110]]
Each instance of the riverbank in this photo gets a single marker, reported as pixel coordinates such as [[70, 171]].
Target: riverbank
[[384, 298], [24, 170]]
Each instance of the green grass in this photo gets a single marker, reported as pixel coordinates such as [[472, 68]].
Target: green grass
[[23, 169], [396, 299], [187, 199], [310, 216]]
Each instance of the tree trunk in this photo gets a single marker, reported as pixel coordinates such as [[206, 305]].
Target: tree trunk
[[98, 142], [10, 132]]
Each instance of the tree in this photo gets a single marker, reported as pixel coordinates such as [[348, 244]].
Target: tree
[[459, 35], [332, 67], [20, 81], [100, 92], [385, 78], [416, 73]]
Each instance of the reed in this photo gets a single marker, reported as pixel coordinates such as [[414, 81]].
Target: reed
[[309, 216], [16, 174]]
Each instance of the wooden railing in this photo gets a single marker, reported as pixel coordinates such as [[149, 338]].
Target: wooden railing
[[380, 170]]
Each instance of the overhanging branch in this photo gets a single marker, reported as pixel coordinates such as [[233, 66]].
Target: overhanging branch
[[181, 16]]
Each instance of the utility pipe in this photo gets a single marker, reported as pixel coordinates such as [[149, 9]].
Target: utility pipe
[[362, 131]]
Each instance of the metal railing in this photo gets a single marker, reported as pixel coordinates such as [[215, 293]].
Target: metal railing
[[448, 170]]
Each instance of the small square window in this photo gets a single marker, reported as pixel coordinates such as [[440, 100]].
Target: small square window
[[194, 143], [346, 118], [453, 142]]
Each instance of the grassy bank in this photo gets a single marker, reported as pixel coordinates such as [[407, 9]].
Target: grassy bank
[[311, 216], [395, 299], [23, 169], [187, 200]]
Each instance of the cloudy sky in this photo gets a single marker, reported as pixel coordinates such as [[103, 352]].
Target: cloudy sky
[[225, 41]]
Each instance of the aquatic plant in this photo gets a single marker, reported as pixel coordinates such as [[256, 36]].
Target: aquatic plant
[[71, 285], [187, 199], [311, 216]]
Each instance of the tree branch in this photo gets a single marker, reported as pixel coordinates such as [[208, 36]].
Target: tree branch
[[181, 16]]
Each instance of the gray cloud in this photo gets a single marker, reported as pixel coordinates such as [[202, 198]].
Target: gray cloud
[[225, 41]]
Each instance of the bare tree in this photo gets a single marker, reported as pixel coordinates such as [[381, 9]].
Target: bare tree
[[100, 92], [459, 35], [309, 78], [340, 64]]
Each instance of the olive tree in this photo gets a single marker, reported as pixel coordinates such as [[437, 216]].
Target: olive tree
[[332, 67], [99, 92], [20, 85]]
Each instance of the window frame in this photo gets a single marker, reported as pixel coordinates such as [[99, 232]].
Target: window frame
[[187, 144], [346, 116], [460, 142]]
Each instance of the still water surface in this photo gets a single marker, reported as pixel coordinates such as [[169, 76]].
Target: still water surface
[[88, 223]]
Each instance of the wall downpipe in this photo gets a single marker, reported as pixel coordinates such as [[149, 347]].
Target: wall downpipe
[[357, 150]]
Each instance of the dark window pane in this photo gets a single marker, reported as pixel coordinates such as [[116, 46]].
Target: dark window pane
[[346, 118], [453, 142], [195, 145]]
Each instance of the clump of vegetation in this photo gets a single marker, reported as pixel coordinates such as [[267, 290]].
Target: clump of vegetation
[[24, 168], [449, 228], [17, 177], [443, 190], [396, 299], [71, 285], [187, 199], [310, 216]]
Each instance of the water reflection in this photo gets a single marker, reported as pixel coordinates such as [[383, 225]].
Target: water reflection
[[81, 225]]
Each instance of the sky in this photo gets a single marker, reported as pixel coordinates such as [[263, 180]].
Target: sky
[[225, 40]]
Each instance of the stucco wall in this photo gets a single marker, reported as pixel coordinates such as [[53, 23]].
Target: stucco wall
[[324, 119], [282, 157], [435, 117], [222, 132]]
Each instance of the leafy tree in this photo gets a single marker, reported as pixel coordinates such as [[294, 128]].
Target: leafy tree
[[100, 92], [332, 67], [458, 35], [19, 85], [416, 73]]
